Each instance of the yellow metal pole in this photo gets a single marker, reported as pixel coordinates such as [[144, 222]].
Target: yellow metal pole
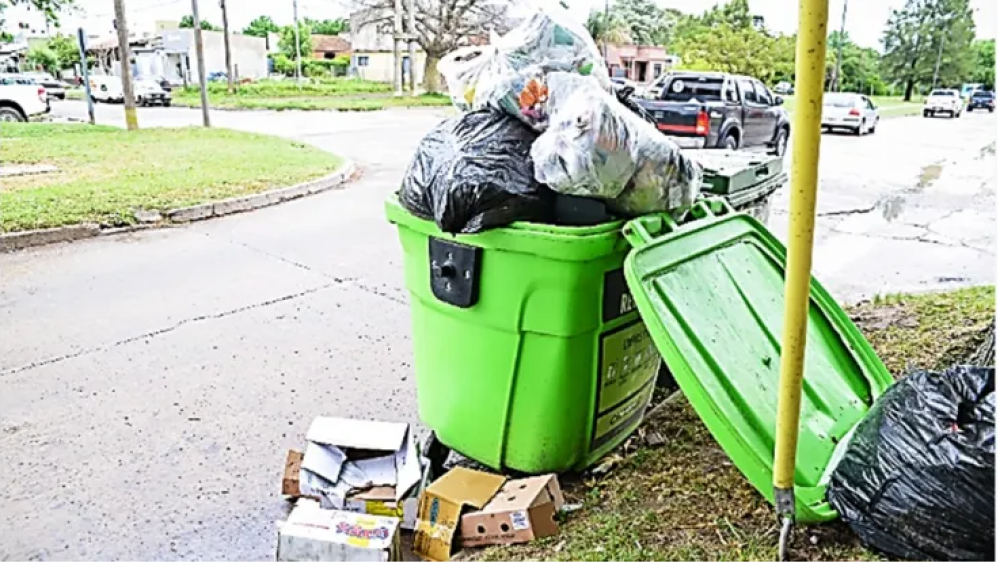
[[810, 70]]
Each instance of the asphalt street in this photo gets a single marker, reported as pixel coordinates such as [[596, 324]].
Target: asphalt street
[[152, 382]]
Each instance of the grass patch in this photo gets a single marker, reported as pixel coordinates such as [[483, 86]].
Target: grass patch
[[106, 173], [339, 103], [685, 501]]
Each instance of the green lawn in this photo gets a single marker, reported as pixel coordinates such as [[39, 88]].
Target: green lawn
[[356, 102], [106, 173], [686, 501], [888, 106]]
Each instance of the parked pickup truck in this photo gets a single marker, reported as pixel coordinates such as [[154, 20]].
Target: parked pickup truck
[[717, 110], [20, 102]]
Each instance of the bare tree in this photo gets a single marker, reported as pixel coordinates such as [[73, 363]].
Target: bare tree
[[441, 26]]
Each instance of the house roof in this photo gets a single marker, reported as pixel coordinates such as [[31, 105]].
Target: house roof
[[330, 43]]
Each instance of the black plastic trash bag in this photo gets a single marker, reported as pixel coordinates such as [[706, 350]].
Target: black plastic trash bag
[[475, 172], [917, 478]]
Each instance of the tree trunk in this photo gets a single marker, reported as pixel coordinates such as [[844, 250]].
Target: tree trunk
[[432, 79], [909, 90]]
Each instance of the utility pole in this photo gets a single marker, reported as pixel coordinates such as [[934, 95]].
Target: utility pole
[[411, 20], [82, 42], [607, 28], [199, 47], [840, 48], [225, 41], [397, 38], [298, 43], [131, 119], [937, 63]]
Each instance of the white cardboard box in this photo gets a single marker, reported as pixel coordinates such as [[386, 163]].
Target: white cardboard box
[[312, 533]]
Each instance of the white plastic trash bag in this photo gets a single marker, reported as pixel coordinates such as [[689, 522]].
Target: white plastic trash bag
[[511, 73], [595, 147]]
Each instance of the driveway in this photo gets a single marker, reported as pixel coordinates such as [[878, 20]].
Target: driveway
[[152, 382]]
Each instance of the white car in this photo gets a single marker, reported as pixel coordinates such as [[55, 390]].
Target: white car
[[20, 101], [784, 88], [106, 89], [944, 101], [149, 92], [854, 112]]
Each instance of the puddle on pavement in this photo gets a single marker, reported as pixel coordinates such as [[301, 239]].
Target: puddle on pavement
[[929, 174]]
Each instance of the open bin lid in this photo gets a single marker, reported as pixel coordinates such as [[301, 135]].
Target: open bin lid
[[711, 293]]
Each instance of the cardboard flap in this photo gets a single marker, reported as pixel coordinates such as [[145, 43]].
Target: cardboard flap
[[375, 493], [522, 494], [467, 486], [408, 467], [359, 434], [325, 461]]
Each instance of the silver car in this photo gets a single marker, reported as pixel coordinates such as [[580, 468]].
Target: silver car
[[846, 110]]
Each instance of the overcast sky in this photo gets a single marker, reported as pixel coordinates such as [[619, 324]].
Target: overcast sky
[[865, 18]]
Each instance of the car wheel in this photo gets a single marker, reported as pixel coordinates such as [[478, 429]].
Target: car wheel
[[860, 130], [781, 143], [731, 143], [874, 125], [166, 104], [11, 115], [927, 114]]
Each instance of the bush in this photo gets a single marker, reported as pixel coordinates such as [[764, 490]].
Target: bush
[[324, 85]]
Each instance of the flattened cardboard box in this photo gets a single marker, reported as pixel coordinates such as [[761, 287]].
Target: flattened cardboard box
[[315, 534], [522, 511], [441, 506], [380, 501]]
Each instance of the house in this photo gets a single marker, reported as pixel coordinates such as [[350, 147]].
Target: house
[[329, 46], [638, 63], [371, 49]]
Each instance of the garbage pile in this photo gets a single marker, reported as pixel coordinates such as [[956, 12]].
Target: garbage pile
[[918, 477], [541, 120], [361, 484]]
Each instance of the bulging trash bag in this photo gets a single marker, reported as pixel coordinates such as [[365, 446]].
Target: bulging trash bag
[[474, 172], [917, 477], [596, 147], [511, 73]]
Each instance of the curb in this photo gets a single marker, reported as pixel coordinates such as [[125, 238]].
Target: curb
[[10, 242]]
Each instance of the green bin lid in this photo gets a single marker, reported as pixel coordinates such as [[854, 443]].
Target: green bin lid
[[712, 295]]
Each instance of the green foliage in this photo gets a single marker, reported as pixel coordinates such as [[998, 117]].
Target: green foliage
[[66, 50], [287, 42], [40, 56], [261, 26], [188, 22], [51, 8], [915, 34], [340, 64], [735, 14], [283, 64], [648, 24], [610, 28], [289, 89], [859, 68], [986, 62], [328, 27], [735, 50]]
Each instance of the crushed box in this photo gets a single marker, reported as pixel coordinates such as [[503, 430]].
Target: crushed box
[[440, 509], [290, 478], [312, 533], [522, 511], [381, 501]]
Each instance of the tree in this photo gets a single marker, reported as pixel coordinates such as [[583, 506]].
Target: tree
[[733, 50], [188, 22], [441, 26], [608, 28], [51, 8], [287, 42], [41, 56], [328, 27], [986, 61], [261, 26], [915, 35], [735, 14], [65, 49], [648, 24]]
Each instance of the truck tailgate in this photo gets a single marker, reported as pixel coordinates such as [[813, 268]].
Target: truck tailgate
[[674, 118]]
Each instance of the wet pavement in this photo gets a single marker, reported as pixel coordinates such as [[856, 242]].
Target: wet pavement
[[151, 382]]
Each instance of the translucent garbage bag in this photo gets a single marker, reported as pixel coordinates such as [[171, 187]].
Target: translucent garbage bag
[[511, 73], [596, 147], [474, 172]]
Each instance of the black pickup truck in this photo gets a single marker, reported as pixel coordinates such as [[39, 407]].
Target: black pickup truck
[[718, 110]]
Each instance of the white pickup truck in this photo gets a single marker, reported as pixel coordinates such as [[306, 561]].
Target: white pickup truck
[[21, 102]]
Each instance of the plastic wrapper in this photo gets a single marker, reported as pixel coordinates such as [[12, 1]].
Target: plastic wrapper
[[511, 74], [596, 147], [917, 477], [474, 172]]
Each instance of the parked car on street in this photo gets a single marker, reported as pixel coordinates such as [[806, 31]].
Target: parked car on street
[[55, 88], [20, 101], [784, 88], [149, 92], [106, 89], [846, 110], [982, 99], [718, 110], [944, 101]]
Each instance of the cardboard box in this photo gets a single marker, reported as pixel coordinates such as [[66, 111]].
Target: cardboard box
[[314, 534], [523, 510], [441, 505], [346, 455], [380, 501], [290, 479]]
